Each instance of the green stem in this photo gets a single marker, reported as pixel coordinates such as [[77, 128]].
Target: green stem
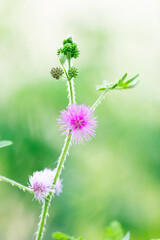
[[63, 156], [46, 204], [43, 218], [71, 92], [70, 83], [99, 100], [60, 165], [14, 183], [65, 71], [102, 96]]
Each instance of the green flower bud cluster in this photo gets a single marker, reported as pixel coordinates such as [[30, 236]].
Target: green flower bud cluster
[[56, 72], [73, 72], [70, 49]]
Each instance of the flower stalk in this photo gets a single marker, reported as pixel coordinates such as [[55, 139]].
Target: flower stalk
[[62, 158], [70, 83], [43, 218], [99, 100], [14, 183], [60, 165]]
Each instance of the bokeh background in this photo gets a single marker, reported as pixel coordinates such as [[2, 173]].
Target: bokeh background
[[116, 176]]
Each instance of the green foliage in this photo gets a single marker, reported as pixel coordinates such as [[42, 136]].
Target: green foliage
[[121, 84], [68, 40], [5, 143], [75, 51], [67, 49], [114, 231], [62, 58], [70, 49], [59, 235]]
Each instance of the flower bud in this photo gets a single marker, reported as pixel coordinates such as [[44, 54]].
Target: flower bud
[[68, 40], [73, 72], [57, 72], [67, 49], [75, 51]]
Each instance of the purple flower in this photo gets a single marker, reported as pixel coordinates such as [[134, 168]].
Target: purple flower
[[80, 121], [41, 183]]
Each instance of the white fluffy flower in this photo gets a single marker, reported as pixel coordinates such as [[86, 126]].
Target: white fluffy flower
[[41, 183]]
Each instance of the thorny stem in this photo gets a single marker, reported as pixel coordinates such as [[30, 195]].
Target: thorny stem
[[102, 96], [43, 218], [63, 156], [99, 100], [46, 204], [60, 165], [14, 183]]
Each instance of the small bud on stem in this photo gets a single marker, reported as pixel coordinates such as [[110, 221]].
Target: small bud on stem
[[57, 72]]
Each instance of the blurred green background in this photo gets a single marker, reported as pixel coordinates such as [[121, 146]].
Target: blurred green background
[[116, 176]]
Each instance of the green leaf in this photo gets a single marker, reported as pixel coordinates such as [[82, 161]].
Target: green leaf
[[101, 89], [119, 85], [59, 235], [5, 143], [132, 79], [62, 58], [123, 78], [132, 85], [114, 231]]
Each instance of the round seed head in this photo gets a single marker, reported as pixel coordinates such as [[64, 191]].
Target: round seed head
[[56, 72]]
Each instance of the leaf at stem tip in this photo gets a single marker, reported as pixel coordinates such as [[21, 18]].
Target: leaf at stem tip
[[132, 85], [123, 78], [5, 143], [59, 235], [132, 79], [119, 85]]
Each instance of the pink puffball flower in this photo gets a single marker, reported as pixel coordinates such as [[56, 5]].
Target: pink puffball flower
[[41, 183], [79, 120]]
